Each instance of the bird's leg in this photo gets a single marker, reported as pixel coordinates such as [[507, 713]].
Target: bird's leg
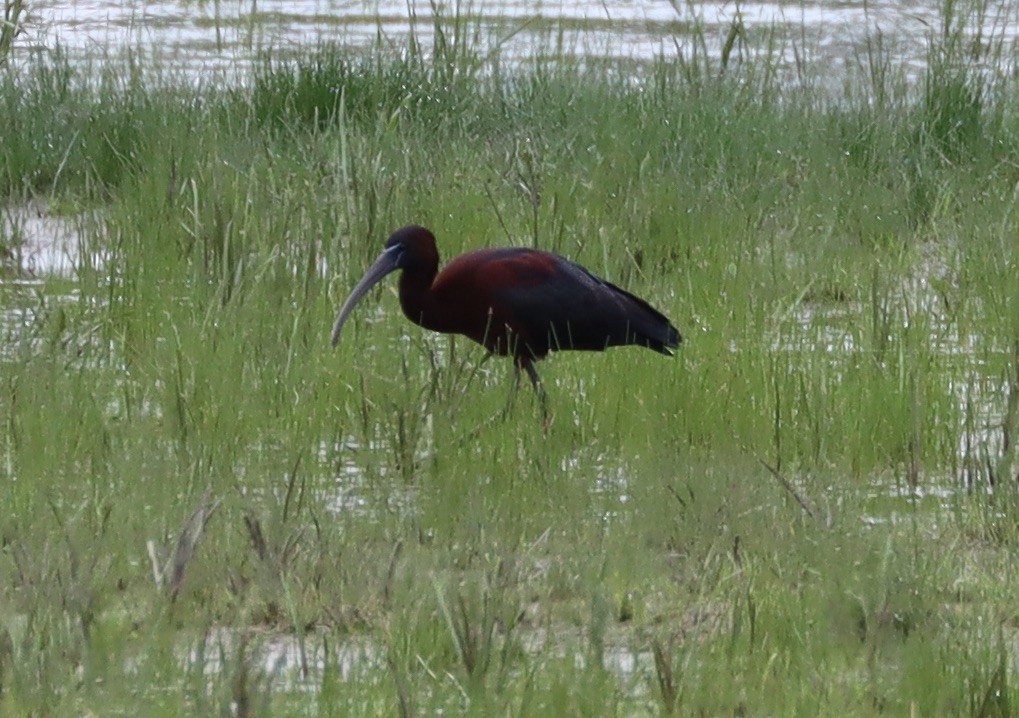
[[539, 389], [513, 391]]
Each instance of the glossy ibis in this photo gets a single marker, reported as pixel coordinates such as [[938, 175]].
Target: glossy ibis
[[516, 301]]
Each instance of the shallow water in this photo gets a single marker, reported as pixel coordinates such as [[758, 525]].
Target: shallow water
[[44, 243], [212, 37]]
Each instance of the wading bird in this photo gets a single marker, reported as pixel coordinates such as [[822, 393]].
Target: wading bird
[[513, 301]]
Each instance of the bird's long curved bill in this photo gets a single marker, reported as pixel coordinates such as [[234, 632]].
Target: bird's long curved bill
[[388, 261]]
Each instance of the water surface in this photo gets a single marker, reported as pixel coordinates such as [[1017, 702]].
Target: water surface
[[203, 37]]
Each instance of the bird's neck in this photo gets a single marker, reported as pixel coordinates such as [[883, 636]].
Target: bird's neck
[[417, 299]]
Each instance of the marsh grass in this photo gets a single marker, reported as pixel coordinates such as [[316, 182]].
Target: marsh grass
[[781, 520], [12, 239], [10, 27]]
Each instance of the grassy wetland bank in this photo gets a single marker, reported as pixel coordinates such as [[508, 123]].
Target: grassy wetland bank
[[812, 510]]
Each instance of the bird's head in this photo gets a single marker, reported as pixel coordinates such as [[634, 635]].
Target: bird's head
[[407, 248]]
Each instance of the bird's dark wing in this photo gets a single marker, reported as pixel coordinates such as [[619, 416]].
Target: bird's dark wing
[[561, 305]]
